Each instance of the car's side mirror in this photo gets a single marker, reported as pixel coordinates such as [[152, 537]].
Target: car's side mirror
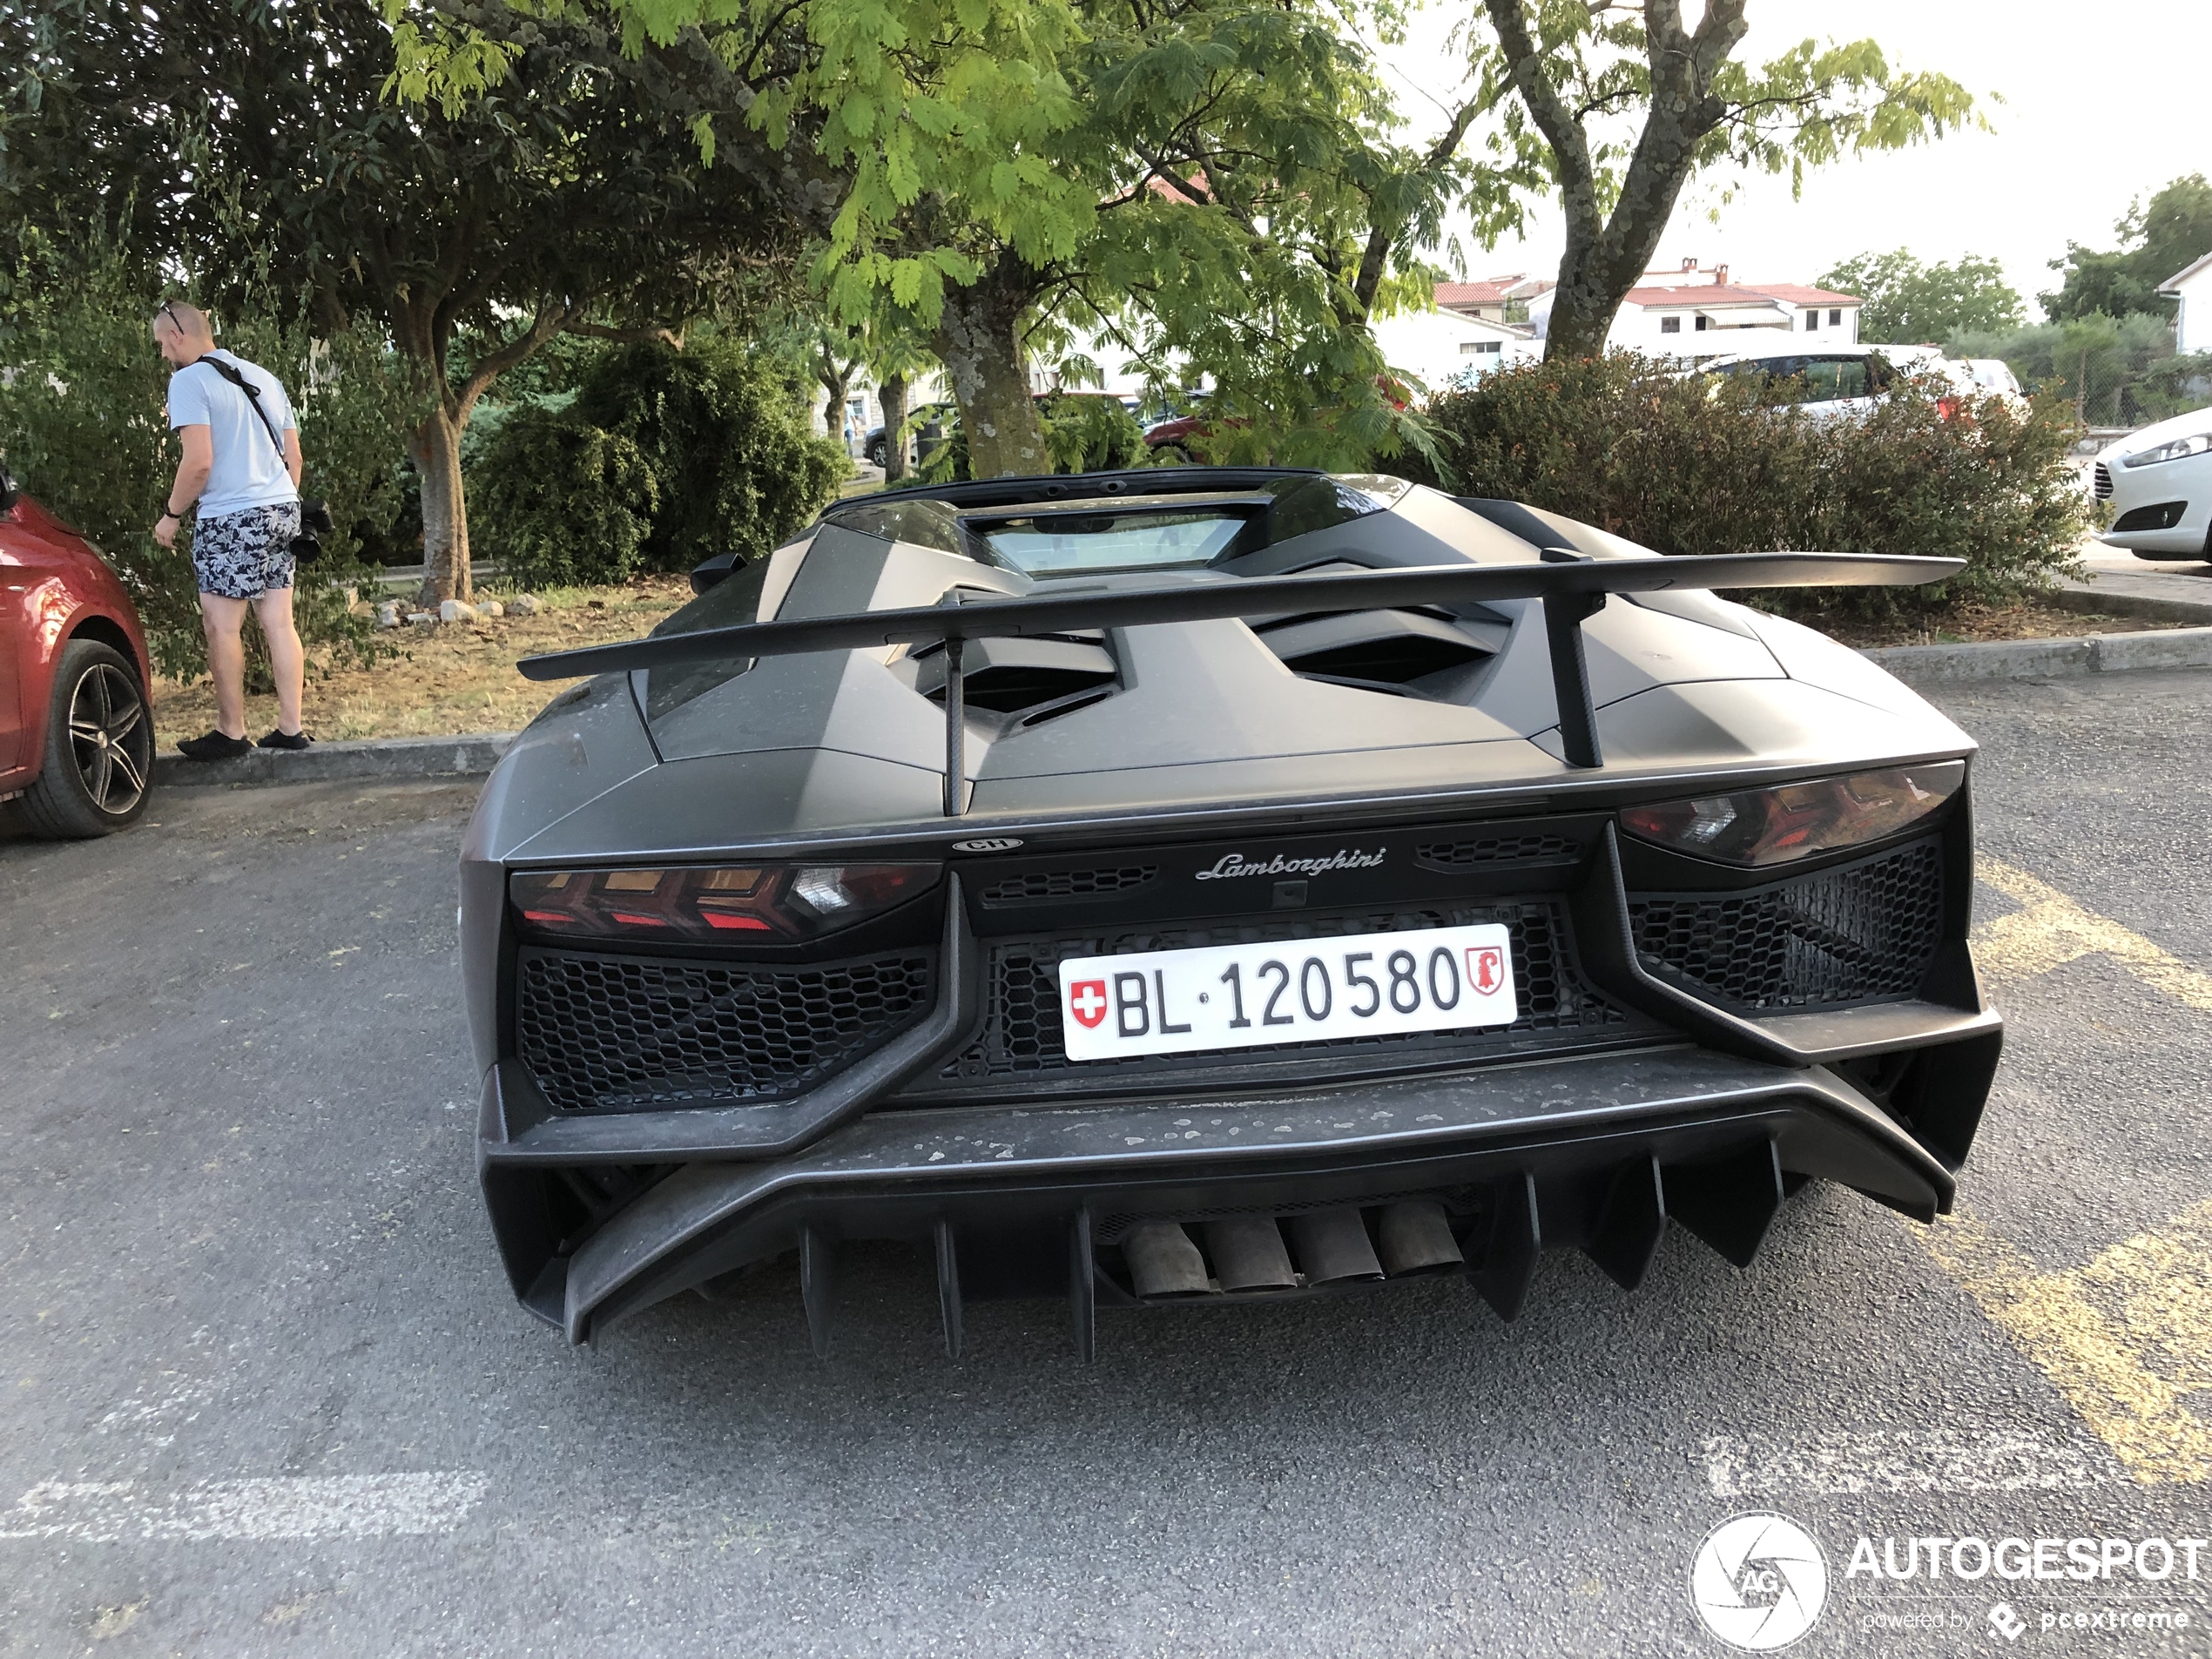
[[8, 491], [716, 569]]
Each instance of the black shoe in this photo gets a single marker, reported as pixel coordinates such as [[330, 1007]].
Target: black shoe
[[214, 746], [284, 740]]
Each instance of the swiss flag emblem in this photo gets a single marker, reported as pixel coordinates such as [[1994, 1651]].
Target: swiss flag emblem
[[1087, 1001], [1486, 968]]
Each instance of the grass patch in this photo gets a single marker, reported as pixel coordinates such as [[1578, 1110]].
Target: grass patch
[[445, 680]]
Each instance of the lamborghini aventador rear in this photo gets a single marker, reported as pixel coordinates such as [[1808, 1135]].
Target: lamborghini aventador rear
[[1237, 955]]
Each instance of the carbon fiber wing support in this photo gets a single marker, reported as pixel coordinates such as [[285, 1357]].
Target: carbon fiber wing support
[[1572, 587]]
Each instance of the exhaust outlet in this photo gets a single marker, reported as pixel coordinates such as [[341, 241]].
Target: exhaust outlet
[[1416, 1239], [1248, 1254], [1332, 1245], [1162, 1262]]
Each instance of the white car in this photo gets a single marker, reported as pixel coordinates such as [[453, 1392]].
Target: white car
[[1840, 382], [2159, 483]]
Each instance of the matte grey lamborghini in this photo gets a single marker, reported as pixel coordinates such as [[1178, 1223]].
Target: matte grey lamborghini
[[1207, 884]]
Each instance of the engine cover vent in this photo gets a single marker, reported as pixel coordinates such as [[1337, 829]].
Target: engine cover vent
[[1414, 653], [1025, 679]]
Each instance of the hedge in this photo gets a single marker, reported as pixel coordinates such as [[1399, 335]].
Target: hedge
[[1695, 463]]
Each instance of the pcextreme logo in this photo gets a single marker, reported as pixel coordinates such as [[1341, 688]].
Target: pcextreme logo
[[1758, 1581]]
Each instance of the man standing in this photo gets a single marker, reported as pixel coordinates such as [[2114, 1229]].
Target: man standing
[[241, 467]]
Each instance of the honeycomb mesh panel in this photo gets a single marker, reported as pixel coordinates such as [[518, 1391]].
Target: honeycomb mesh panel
[[1864, 933], [1044, 887], [1022, 1039], [1496, 849], [625, 1033]]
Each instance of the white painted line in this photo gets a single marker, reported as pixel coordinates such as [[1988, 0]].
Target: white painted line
[[1933, 1460], [345, 1505]]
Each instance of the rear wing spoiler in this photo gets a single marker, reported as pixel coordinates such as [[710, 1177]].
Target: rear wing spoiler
[[1572, 586]]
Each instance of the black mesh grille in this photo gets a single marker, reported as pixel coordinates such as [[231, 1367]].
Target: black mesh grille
[[1497, 849], [2101, 482], [1861, 934], [1022, 1039], [1047, 886], [614, 1033]]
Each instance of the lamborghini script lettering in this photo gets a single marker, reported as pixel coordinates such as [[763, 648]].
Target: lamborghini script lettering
[[1236, 864]]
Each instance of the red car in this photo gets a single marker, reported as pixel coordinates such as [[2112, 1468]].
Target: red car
[[76, 726]]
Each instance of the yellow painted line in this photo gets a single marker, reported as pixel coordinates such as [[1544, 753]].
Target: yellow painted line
[[2123, 1340], [2050, 930]]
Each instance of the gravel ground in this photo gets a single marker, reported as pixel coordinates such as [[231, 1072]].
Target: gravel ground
[[259, 1337]]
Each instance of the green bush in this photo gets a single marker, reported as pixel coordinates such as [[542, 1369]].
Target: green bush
[[1090, 432], [83, 429], [665, 458], [568, 503], [1688, 464]]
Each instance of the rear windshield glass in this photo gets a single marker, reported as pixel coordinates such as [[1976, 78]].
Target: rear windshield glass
[[1180, 534], [1144, 538]]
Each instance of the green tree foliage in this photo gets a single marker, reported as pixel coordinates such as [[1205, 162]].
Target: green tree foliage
[[999, 169], [2157, 241], [1907, 302], [2111, 371], [663, 458], [83, 428], [1089, 432], [1697, 464], [1623, 104], [251, 142]]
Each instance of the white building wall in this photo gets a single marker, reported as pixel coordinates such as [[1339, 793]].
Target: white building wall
[[1437, 347], [2193, 325]]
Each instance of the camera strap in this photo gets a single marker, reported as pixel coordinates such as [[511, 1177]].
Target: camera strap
[[252, 396]]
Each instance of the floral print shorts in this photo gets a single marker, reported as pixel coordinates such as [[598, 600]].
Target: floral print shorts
[[243, 555]]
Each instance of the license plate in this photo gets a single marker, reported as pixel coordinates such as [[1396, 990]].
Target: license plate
[[1249, 996]]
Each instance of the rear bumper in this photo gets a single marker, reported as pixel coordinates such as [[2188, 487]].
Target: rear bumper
[[1594, 1153]]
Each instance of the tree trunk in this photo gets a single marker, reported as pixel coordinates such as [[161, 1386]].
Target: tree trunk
[[892, 393], [435, 451], [833, 410], [1597, 270], [979, 343]]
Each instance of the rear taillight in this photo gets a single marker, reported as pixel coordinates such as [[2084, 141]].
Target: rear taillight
[[722, 904], [1762, 826]]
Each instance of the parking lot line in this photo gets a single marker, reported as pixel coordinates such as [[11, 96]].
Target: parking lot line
[[2121, 1339], [2051, 929], [346, 1506], [2127, 1336]]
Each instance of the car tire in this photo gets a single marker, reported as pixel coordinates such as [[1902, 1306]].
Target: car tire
[[97, 768], [877, 450], [1171, 455]]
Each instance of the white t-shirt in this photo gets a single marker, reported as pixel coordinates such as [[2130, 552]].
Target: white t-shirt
[[248, 471]]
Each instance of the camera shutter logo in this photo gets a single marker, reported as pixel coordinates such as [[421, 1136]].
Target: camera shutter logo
[[1758, 1581]]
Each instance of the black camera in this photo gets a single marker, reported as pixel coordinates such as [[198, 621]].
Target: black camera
[[315, 522]]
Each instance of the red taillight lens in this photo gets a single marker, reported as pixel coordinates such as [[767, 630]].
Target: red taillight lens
[[1763, 827], [722, 904]]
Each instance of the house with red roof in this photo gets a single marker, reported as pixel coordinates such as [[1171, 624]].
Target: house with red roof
[[1693, 314]]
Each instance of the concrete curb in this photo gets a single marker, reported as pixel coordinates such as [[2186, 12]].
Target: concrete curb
[[377, 759], [2019, 659], [2092, 602]]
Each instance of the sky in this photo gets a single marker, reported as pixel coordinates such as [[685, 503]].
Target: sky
[[2101, 103]]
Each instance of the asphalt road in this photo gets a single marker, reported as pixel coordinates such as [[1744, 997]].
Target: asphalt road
[[266, 1391]]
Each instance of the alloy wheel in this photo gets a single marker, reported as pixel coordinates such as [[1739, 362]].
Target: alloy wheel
[[109, 737]]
